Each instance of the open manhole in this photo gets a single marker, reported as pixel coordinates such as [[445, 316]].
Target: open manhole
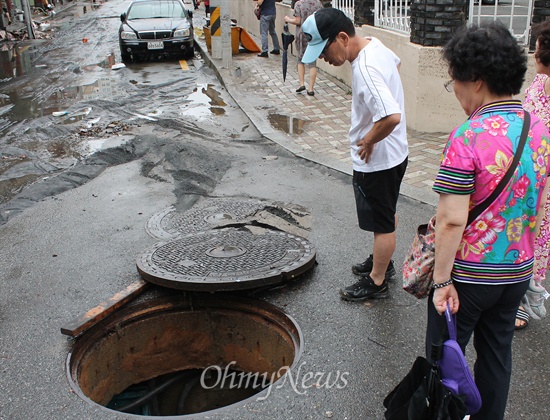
[[184, 354], [227, 259]]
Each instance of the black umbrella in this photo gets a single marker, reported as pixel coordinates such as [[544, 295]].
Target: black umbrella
[[287, 39], [422, 396]]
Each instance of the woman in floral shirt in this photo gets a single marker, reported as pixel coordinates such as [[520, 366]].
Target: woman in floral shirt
[[482, 270], [537, 101]]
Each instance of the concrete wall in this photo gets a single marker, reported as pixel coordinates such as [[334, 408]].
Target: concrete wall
[[428, 105]]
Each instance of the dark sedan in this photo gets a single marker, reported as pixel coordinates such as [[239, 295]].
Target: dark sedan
[[156, 27]]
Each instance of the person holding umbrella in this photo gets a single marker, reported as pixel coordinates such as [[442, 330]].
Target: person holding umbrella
[[302, 10], [287, 39], [268, 13]]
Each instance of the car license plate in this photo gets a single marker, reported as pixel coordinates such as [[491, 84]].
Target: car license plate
[[155, 45]]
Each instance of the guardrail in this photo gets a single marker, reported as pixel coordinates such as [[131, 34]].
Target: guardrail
[[394, 15]]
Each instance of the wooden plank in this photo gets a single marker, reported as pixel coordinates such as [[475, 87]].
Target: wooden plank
[[78, 325]]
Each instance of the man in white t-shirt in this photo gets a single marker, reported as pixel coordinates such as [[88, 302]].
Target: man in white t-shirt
[[378, 139]]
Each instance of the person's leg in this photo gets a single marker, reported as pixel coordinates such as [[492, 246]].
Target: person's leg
[[273, 33], [264, 27], [376, 197], [385, 238], [493, 343], [301, 74], [489, 312], [312, 76], [384, 246]]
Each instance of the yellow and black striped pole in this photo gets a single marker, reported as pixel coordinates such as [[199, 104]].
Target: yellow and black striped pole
[[215, 22]]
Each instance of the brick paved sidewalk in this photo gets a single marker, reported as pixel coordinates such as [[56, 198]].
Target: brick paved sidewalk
[[315, 127]]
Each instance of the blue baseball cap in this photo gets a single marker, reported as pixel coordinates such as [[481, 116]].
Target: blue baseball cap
[[318, 28]]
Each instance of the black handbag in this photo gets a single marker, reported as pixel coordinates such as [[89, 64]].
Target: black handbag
[[422, 396]]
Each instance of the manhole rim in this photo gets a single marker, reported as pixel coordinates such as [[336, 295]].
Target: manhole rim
[[194, 301]]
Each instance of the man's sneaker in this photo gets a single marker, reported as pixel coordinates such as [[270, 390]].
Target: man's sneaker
[[365, 289], [364, 268]]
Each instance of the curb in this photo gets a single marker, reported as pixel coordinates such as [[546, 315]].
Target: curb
[[268, 132]]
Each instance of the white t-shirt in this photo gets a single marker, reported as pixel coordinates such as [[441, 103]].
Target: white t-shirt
[[376, 93]]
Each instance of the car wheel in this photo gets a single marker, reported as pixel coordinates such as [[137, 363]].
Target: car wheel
[[125, 57], [188, 53]]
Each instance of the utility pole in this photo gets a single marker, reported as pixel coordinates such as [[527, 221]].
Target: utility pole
[[227, 46], [28, 18], [220, 31]]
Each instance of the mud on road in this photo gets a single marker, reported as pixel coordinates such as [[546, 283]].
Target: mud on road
[[66, 113]]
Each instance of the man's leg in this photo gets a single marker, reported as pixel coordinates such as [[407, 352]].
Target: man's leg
[[376, 197], [384, 246], [264, 27], [273, 33]]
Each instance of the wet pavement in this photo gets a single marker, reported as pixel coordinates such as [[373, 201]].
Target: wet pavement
[[315, 127]]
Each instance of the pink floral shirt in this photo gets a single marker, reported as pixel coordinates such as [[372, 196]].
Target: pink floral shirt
[[536, 99], [497, 247]]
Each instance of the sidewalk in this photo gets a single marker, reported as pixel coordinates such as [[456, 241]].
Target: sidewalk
[[315, 127]]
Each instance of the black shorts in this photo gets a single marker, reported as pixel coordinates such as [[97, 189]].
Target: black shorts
[[376, 195]]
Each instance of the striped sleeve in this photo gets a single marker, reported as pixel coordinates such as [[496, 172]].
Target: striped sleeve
[[454, 181]]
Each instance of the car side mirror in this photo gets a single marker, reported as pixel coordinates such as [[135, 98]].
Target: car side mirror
[[123, 17], [190, 13]]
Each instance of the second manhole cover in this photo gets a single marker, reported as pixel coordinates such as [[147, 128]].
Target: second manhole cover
[[227, 259], [204, 215]]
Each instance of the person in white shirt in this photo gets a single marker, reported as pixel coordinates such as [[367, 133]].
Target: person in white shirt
[[378, 139]]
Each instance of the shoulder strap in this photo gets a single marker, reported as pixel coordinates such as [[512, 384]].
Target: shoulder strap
[[480, 208]]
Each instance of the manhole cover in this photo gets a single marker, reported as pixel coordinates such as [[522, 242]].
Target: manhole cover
[[205, 215], [227, 259]]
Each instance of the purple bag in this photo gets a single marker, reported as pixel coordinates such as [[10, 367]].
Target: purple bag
[[454, 371]]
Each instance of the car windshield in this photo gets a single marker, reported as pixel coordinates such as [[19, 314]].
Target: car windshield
[[156, 9]]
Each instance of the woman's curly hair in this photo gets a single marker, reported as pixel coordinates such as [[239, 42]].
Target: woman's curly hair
[[542, 32], [490, 53]]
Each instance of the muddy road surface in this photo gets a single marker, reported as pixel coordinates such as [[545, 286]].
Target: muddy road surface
[[66, 113]]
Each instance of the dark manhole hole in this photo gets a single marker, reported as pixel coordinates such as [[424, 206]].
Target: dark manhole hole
[[227, 259], [178, 355], [203, 216]]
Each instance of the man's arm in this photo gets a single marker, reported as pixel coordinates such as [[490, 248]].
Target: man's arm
[[381, 129]]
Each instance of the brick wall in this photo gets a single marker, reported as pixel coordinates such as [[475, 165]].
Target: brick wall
[[433, 22]]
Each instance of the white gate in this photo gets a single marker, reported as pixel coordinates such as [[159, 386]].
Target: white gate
[[392, 15], [346, 6], [515, 14]]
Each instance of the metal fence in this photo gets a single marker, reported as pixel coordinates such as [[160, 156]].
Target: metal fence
[[346, 6], [515, 14], [392, 15]]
